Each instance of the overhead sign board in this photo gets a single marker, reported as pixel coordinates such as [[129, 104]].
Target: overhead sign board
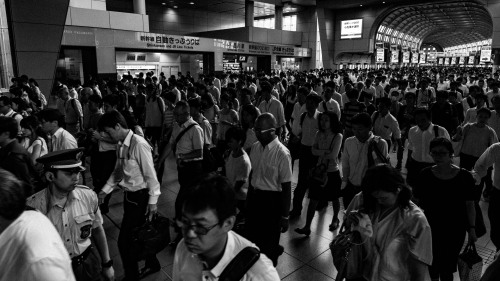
[[461, 60], [485, 54], [453, 60], [414, 57], [380, 55], [422, 58], [351, 29], [472, 60], [406, 57], [395, 57]]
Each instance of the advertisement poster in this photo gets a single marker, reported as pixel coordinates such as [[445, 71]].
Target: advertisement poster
[[453, 60], [472, 60], [351, 29], [422, 58], [414, 57], [462, 60], [395, 57]]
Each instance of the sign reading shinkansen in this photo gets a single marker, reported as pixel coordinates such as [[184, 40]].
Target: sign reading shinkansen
[[351, 29]]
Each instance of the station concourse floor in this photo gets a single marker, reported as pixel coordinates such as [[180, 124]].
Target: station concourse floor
[[305, 258]]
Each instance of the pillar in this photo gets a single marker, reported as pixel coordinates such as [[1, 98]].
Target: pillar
[[493, 6], [248, 13], [278, 17], [140, 7]]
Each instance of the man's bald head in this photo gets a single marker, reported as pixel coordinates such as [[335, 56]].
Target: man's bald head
[[266, 121]]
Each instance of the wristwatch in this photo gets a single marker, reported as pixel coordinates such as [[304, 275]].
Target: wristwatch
[[108, 264]]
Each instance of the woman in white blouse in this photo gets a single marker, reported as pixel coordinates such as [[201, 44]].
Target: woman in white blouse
[[32, 138]]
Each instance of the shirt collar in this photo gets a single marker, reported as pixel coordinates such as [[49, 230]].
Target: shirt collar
[[58, 132], [229, 254], [368, 140], [128, 138], [188, 122], [72, 195]]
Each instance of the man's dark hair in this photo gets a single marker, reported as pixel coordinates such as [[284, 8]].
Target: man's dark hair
[[182, 104], [194, 103], [112, 100], [266, 86], [110, 119], [51, 115], [9, 125], [484, 110], [12, 197], [6, 100], [422, 110], [213, 193], [353, 94], [384, 101], [96, 99], [237, 134], [362, 119]]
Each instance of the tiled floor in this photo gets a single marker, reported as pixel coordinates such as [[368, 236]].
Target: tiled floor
[[305, 258]]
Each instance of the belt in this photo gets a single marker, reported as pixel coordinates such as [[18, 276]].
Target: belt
[[78, 260]]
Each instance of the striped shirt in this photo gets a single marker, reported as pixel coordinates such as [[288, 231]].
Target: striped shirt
[[350, 110]]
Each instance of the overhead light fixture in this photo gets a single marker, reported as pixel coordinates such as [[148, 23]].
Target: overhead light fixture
[[164, 3], [191, 3], [175, 7], [361, 5]]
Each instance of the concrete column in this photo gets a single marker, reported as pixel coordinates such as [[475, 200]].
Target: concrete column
[[140, 7], [278, 17], [248, 13]]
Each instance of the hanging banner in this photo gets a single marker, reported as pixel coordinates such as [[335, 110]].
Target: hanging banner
[[485, 54], [406, 57], [472, 60], [380, 55], [395, 57], [453, 60], [461, 61], [414, 57], [422, 58]]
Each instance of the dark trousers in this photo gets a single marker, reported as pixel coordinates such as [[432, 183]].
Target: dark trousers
[[102, 165], [306, 161], [263, 225], [154, 134], [190, 174], [414, 167], [401, 149], [90, 268], [134, 210], [348, 193], [494, 216]]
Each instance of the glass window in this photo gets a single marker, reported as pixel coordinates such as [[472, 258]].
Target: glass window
[[290, 23]]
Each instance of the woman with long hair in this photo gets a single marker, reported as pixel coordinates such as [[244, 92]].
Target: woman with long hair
[[326, 147], [33, 139]]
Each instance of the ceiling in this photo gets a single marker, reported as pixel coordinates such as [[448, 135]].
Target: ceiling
[[261, 9], [445, 24]]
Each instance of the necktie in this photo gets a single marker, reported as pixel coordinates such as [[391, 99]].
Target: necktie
[[50, 144]]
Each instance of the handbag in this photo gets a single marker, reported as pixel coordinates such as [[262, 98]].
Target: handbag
[[240, 264], [347, 255], [470, 264], [151, 237]]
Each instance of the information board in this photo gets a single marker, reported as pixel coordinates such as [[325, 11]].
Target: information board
[[351, 29]]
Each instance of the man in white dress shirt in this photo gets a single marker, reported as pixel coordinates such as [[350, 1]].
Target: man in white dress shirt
[[59, 138]]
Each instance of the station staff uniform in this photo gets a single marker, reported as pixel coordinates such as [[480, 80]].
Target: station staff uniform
[[272, 167], [135, 174], [74, 217]]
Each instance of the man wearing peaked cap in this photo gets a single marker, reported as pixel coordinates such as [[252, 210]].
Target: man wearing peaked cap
[[74, 211]]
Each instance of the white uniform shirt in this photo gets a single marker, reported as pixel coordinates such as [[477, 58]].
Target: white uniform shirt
[[189, 267], [61, 140], [272, 165], [31, 249]]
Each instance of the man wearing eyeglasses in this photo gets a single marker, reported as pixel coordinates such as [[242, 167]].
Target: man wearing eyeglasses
[[209, 244], [269, 195]]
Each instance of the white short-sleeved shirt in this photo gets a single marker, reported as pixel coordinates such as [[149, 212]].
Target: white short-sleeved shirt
[[274, 107], [238, 169], [31, 249], [189, 267], [73, 220], [419, 141], [272, 165], [386, 126], [61, 140], [191, 140]]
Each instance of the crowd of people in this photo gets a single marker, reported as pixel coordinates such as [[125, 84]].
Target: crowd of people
[[235, 139]]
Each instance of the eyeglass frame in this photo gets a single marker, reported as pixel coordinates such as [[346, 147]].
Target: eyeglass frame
[[186, 227], [263, 131]]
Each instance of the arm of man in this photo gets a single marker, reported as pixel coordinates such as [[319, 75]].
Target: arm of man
[[419, 271], [346, 170], [145, 161], [113, 179], [286, 197], [50, 269], [102, 247], [486, 160]]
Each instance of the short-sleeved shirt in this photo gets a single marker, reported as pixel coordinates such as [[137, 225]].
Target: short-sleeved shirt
[[238, 169], [272, 165], [306, 127], [31, 249], [191, 140], [386, 126], [189, 267], [73, 111], [61, 140], [419, 141], [476, 140], [74, 219], [432, 191], [274, 107]]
